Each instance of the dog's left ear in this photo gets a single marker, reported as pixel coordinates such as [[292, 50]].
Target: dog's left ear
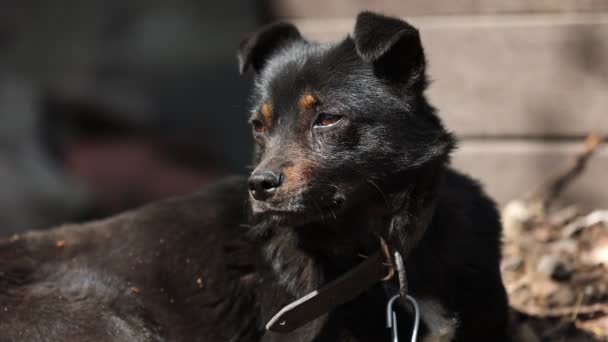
[[392, 45], [257, 48]]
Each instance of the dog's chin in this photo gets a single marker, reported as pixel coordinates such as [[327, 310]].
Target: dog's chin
[[293, 216], [281, 218]]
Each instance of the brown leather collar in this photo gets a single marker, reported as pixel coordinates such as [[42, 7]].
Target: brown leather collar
[[375, 268]]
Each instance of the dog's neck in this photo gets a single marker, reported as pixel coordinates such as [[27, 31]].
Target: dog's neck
[[305, 257]]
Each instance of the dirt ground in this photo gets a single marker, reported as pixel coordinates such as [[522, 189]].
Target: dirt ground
[[555, 262]]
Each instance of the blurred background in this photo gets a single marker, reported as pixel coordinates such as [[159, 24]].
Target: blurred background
[[106, 104]]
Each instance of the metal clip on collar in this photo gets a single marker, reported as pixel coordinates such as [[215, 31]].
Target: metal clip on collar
[[391, 317]]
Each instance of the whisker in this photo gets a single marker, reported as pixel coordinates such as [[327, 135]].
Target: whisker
[[320, 211], [380, 191], [333, 214]]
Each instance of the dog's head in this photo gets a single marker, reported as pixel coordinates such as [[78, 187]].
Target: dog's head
[[336, 125]]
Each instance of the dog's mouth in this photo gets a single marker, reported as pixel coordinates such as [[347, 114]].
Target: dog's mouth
[[296, 210]]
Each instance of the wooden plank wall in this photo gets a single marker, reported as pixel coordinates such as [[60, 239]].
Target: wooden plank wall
[[520, 82]]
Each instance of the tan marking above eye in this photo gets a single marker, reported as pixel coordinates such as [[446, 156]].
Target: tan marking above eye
[[266, 111], [307, 101]]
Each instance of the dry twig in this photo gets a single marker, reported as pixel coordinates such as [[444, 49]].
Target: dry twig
[[543, 197]]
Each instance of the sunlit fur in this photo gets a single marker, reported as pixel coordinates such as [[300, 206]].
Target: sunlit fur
[[381, 170]]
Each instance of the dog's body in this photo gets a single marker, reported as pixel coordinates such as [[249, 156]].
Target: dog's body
[[349, 151], [450, 273], [176, 270]]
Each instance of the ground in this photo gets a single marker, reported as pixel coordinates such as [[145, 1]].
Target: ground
[[555, 263]]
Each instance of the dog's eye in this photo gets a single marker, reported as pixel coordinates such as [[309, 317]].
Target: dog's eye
[[325, 120], [258, 126]]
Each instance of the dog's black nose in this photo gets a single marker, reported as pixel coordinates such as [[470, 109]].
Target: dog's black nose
[[263, 184]]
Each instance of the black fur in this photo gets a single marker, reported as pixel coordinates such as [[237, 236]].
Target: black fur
[[380, 170], [216, 266], [256, 49], [177, 270]]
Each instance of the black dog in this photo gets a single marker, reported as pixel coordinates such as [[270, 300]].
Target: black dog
[[177, 270], [349, 152], [350, 157]]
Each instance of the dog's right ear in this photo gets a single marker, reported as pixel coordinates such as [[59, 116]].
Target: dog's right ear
[[258, 47]]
